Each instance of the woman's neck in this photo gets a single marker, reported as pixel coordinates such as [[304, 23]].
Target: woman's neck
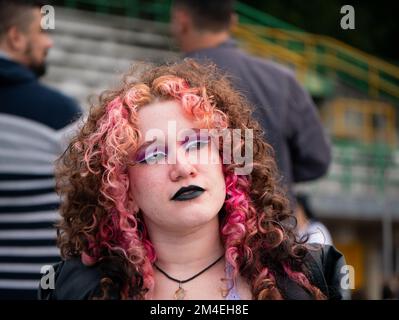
[[187, 252]]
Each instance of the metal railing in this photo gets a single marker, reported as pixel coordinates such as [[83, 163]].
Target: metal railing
[[321, 54]]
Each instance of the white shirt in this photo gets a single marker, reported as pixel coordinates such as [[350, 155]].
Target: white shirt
[[4, 55], [317, 233]]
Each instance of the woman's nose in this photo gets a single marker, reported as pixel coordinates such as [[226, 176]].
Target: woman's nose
[[182, 168]]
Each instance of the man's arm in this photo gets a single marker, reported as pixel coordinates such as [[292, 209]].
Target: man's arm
[[309, 146]]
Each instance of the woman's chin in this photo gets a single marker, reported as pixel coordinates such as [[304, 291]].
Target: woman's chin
[[192, 218]]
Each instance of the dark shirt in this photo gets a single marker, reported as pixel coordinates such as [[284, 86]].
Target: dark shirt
[[21, 94], [283, 108]]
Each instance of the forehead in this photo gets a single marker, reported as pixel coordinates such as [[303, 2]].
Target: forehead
[[163, 117]]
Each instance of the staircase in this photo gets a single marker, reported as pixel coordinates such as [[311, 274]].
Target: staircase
[[92, 50]]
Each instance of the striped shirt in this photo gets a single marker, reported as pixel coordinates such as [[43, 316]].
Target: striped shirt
[[28, 204]]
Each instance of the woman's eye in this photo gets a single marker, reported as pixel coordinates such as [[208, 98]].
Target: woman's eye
[[196, 144], [153, 158], [152, 155]]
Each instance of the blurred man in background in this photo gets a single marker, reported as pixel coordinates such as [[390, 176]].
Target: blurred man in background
[[283, 108], [309, 227], [32, 117], [23, 50]]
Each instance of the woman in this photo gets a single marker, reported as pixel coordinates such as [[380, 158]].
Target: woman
[[143, 218]]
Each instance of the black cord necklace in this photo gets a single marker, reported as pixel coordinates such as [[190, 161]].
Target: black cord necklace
[[180, 292]]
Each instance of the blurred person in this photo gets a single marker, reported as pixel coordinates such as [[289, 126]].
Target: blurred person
[[32, 119], [23, 50], [312, 231], [284, 109], [390, 288], [308, 226], [151, 209]]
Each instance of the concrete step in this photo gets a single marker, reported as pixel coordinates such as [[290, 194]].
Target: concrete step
[[91, 50], [70, 43], [108, 64], [85, 30], [111, 21], [75, 89]]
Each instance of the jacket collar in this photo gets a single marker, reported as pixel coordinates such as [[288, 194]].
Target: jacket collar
[[12, 72], [228, 44]]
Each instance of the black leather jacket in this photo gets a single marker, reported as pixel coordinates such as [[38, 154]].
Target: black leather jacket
[[75, 281]]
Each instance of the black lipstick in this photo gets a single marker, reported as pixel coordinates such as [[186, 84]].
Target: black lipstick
[[188, 193]]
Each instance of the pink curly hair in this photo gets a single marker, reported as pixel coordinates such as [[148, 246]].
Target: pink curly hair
[[99, 223]]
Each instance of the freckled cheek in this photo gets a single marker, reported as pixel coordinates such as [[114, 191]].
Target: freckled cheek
[[216, 172], [212, 167], [207, 156], [145, 184]]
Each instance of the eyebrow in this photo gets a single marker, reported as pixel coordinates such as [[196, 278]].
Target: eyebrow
[[144, 145], [185, 132]]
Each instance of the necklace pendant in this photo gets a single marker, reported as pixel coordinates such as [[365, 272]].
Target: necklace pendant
[[180, 294]]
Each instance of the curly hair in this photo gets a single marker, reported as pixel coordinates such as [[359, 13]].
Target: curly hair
[[99, 225]]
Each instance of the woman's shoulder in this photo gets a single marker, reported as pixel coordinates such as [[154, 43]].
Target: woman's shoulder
[[323, 266], [72, 281]]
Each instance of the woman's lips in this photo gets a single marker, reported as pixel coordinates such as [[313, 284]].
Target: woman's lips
[[189, 195]]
